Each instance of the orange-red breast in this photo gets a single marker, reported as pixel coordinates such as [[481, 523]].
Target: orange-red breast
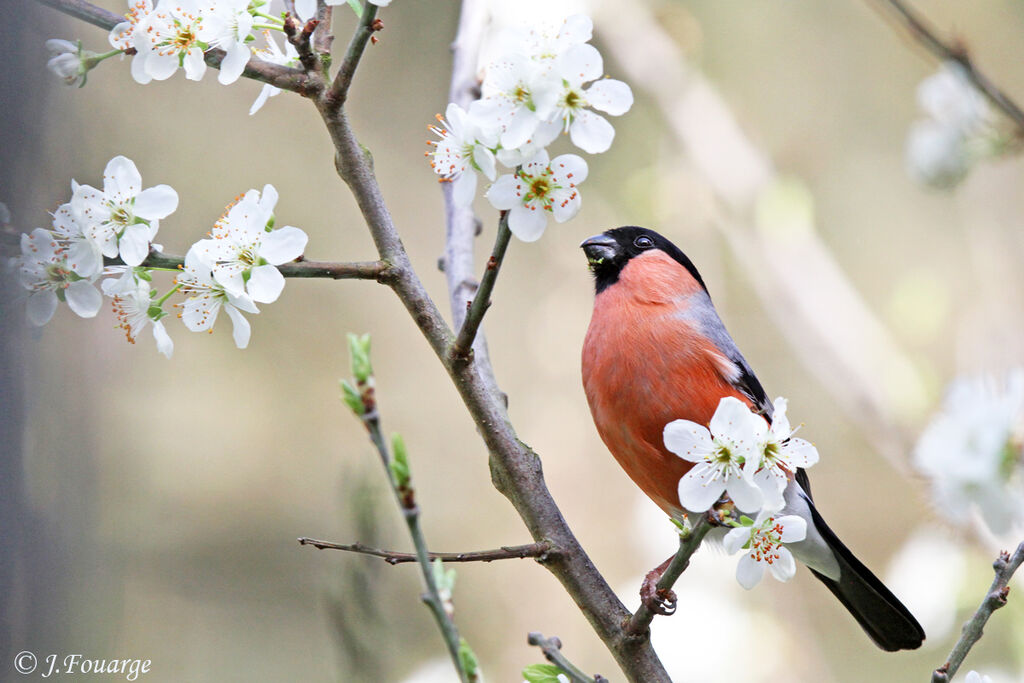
[[656, 351]]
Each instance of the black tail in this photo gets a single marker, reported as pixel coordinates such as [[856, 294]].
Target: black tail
[[876, 609]]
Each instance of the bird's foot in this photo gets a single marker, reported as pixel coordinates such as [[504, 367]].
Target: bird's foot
[[661, 601]]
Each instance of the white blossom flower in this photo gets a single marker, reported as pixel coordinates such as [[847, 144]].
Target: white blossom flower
[[778, 455], [171, 36], [135, 309], [975, 677], [228, 25], [66, 61], [937, 155], [83, 253], [464, 148], [273, 54], [719, 455], [973, 451], [123, 218], [589, 131], [244, 252], [957, 130], [537, 189], [950, 98], [122, 36], [43, 270], [205, 297], [763, 540], [517, 96]]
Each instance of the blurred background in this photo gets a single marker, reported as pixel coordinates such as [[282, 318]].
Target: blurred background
[[150, 508]]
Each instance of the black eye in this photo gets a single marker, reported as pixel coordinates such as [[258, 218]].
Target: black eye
[[643, 242]]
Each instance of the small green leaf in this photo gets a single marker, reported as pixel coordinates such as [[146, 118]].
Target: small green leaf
[[352, 398], [357, 7], [470, 664], [444, 579], [359, 357], [400, 464], [143, 274], [541, 673]]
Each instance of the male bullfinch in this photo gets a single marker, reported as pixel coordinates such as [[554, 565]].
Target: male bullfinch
[[656, 351]]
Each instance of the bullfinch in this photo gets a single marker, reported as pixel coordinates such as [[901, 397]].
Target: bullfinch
[[656, 351]]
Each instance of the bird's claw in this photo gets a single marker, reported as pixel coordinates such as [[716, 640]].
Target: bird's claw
[[660, 601]]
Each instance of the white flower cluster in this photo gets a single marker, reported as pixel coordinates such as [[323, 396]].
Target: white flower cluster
[[955, 133], [973, 451], [536, 89], [741, 455], [233, 269], [173, 34]]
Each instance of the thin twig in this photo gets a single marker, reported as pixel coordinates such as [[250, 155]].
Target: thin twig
[[299, 36], [924, 33], [482, 300], [688, 545], [1004, 566], [405, 498], [325, 33], [552, 649], [392, 557], [337, 270], [368, 25], [283, 77]]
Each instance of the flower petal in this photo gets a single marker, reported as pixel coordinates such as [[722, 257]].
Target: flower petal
[[84, 299], [794, 528], [464, 188], [591, 133], [504, 193], [121, 179], [610, 96], [747, 497], [783, 567], [699, 488], [156, 202], [164, 344], [234, 62], [134, 244], [527, 223], [265, 284], [689, 440], [749, 571], [283, 245], [40, 307], [736, 539], [242, 330]]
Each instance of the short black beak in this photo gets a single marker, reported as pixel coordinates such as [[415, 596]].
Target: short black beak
[[599, 248]]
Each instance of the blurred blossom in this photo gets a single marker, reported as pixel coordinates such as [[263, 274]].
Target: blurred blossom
[[975, 677], [956, 132], [972, 451], [930, 594]]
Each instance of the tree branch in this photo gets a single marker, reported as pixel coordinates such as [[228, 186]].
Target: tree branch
[[552, 649], [367, 26], [540, 551], [357, 270], [515, 469], [919, 29], [688, 544], [482, 301], [283, 77], [1004, 566]]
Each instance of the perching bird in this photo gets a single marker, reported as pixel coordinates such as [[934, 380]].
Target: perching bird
[[656, 351]]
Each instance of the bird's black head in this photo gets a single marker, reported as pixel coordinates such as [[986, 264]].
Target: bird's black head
[[609, 252]]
